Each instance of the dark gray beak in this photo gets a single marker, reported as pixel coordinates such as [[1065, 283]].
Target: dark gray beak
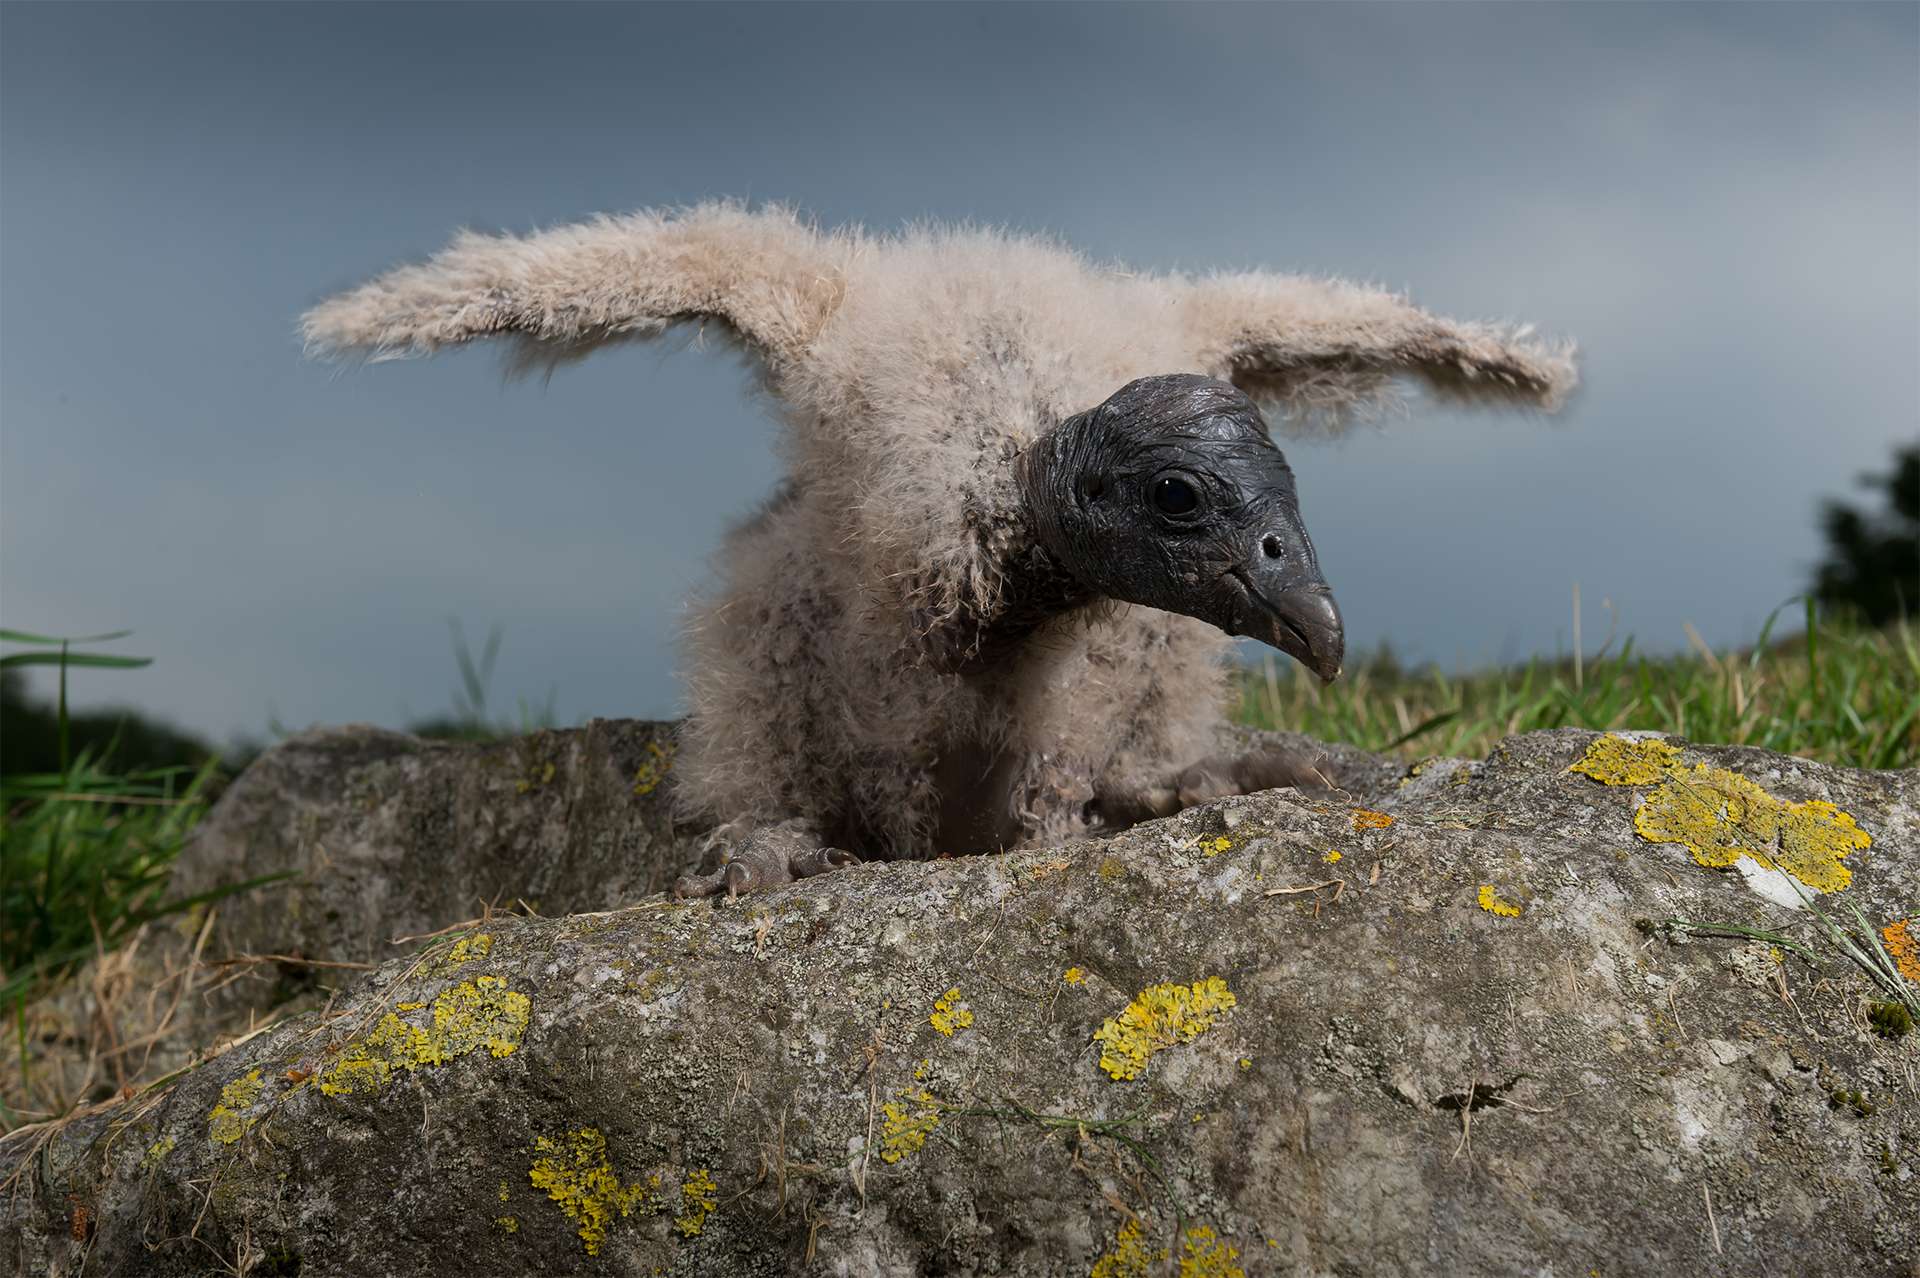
[[1303, 622]]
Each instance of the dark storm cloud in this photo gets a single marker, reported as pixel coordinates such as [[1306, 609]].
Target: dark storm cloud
[[1718, 201]]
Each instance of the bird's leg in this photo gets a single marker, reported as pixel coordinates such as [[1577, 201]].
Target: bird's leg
[[762, 857], [1264, 768], [1050, 800], [1217, 776], [720, 836]]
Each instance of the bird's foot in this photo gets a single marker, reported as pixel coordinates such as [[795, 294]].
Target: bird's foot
[[762, 857], [1271, 768], [1218, 776]]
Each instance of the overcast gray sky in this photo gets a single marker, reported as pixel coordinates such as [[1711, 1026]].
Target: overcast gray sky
[[1720, 203]]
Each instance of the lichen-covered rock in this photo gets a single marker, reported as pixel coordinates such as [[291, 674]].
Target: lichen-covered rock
[[387, 835], [1480, 1023], [390, 835]]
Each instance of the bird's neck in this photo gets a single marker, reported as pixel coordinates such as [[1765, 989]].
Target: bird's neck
[[1035, 588], [1038, 591]]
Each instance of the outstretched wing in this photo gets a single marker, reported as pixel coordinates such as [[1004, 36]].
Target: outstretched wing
[[1323, 348], [766, 275]]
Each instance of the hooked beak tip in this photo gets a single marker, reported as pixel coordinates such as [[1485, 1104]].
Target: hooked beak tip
[[1305, 624]]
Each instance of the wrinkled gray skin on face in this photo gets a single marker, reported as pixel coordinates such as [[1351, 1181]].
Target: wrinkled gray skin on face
[[1172, 495]]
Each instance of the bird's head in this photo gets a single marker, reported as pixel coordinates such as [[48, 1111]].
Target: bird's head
[[1172, 494]]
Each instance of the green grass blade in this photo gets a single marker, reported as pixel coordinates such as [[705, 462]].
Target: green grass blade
[[1421, 729], [99, 659], [21, 636], [208, 897], [1813, 649]]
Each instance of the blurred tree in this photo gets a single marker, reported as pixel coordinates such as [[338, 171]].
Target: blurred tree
[[30, 735], [1872, 568]]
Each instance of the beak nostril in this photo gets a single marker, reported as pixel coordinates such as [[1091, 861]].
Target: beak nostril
[[1271, 545]]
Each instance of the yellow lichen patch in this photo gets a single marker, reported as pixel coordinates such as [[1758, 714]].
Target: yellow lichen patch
[[577, 1174], [479, 1013], [1206, 1255], [1613, 760], [1492, 903], [155, 1153], [699, 1196], [1214, 847], [1902, 949], [1159, 1017], [1367, 819], [468, 948], [476, 1014], [949, 1013], [1721, 816], [226, 1123], [1130, 1257], [1333, 857], [1711, 815], [1814, 835], [1074, 976], [535, 779], [905, 1123], [653, 769], [366, 1064], [508, 1223]]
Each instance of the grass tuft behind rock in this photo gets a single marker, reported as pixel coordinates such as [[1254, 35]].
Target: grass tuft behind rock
[[1838, 693], [87, 850]]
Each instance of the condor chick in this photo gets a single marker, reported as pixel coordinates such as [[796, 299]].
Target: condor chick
[[1029, 499]]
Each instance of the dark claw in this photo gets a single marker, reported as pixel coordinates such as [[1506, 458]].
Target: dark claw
[[698, 886], [805, 865]]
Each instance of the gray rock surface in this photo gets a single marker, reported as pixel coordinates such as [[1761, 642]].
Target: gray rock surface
[[391, 835], [388, 835], [1468, 1041]]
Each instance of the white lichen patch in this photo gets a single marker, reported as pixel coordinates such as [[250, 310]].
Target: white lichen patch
[[1771, 883], [1757, 964]]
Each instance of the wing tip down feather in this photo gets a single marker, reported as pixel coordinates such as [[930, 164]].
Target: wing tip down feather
[[1507, 366], [353, 324]]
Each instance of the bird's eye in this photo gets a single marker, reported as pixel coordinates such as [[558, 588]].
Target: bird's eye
[[1093, 488], [1174, 497]]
